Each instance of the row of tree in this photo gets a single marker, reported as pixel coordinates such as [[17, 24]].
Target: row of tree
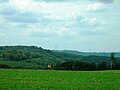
[[79, 65]]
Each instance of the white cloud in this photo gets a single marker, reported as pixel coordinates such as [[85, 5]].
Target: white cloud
[[2, 19], [50, 30], [95, 22], [2, 34], [20, 4], [95, 6], [35, 29], [68, 13], [54, 10]]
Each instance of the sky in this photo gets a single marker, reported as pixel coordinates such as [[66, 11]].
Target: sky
[[82, 25]]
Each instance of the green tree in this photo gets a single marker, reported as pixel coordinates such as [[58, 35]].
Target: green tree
[[113, 60], [102, 65], [58, 66]]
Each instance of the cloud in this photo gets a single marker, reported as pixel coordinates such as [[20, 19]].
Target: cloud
[[38, 34], [95, 7], [22, 18], [20, 4], [85, 27], [2, 34], [54, 10], [13, 15], [95, 22], [2, 19], [65, 1], [95, 32], [7, 10], [54, 0], [3, 1], [50, 30], [88, 23], [51, 18], [106, 1]]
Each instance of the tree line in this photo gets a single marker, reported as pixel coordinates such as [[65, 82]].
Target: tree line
[[80, 65]]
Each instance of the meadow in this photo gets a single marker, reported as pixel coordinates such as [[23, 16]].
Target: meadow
[[15, 79]]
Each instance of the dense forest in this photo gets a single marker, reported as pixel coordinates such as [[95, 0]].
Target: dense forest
[[33, 57]]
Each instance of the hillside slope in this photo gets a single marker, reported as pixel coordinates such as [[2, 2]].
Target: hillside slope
[[33, 57], [27, 57], [117, 54]]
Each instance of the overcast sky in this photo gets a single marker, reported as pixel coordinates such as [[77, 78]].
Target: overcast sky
[[81, 25]]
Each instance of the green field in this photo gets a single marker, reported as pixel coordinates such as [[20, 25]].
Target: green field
[[59, 80]]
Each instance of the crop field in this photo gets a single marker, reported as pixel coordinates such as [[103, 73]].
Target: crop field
[[13, 79]]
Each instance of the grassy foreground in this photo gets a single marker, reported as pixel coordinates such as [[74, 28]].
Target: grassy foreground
[[59, 80]]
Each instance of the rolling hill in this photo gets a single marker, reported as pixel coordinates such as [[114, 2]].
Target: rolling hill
[[117, 54], [33, 57]]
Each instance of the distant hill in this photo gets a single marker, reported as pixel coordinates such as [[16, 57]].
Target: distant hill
[[68, 56], [33, 57], [27, 57], [117, 54]]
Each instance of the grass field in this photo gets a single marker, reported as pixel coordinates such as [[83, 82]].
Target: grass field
[[59, 80]]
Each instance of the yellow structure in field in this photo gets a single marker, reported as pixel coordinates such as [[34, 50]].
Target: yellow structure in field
[[49, 66]]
